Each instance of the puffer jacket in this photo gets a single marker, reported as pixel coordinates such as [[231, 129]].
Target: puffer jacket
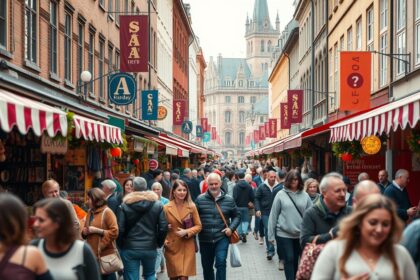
[[141, 222], [212, 223]]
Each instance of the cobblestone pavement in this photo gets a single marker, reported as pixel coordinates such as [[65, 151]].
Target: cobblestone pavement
[[255, 265]]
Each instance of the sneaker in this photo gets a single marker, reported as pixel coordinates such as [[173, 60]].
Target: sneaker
[[261, 241], [281, 265], [244, 238], [255, 235], [269, 257]]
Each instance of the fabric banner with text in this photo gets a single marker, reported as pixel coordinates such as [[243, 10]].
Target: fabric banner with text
[[179, 111], [284, 116], [262, 132], [213, 133], [267, 129], [134, 43], [256, 136], [204, 124], [355, 80], [149, 105], [272, 124], [295, 100]]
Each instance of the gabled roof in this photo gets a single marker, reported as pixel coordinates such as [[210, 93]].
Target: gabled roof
[[230, 66], [261, 107]]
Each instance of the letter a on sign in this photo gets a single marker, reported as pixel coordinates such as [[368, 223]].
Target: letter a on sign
[[355, 68]]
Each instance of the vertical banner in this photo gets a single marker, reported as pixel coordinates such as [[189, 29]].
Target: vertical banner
[[284, 116], [267, 129], [199, 131], [262, 132], [179, 111], [134, 43], [272, 124], [213, 133], [204, 122], [256, 136], [149, 105], [295, 100], [355, 68], [247, 140]]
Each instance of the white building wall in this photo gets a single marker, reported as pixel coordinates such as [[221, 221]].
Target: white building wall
[[192, 83]]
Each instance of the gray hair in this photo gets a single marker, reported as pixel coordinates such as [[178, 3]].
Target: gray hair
[[325, 182], [214, 176], [363, 176], [248, 176], [400, 173], [187, 171], [157, 184], [109, 184], [367, 185], [139, 184]]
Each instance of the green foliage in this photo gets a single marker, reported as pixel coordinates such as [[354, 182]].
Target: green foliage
[[353, 148], [413, 141]]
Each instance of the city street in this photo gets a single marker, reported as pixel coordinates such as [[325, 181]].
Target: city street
[[254, 264]]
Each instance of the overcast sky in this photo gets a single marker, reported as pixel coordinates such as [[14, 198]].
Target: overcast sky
[[220, 24]]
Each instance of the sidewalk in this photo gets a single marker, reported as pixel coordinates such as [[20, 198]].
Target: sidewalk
[[254, 264]]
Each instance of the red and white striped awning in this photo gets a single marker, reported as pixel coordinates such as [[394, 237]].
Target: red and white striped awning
[[400, 113], [25, 113], [92, 130], [170, 149]]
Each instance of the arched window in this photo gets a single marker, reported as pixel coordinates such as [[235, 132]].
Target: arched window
[[241, 138], [262, 46], [228, 138], [269, 46], [241, 116], [227, 116]]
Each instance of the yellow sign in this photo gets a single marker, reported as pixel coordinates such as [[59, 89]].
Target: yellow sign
[[162, 113], [371, 145]]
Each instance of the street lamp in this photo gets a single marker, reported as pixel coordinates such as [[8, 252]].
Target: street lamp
[[86, 76]]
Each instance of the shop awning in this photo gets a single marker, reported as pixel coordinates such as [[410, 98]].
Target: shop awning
[[92, 130], [400, 113], [170, 149], [193, 148], [25, 113]]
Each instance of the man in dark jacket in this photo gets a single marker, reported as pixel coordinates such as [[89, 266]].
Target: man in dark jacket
[[323, 217], [192, 183], [142, 229], [243, 194], [158, 177], [113, 198], [214, 241], [263, 201]]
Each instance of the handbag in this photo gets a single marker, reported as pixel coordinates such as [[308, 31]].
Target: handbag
[[234, 237], [235, 256], [189, 223], [112, 262], [307, 260]]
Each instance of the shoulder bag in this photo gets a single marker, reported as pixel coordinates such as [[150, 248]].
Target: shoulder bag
[[234, 237], [307, 260], [300, 213], [112, 262]]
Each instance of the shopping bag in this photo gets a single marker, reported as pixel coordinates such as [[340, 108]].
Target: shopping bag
[[235, 256]]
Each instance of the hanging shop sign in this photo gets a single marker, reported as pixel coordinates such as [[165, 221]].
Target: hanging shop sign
[[179, 111], [162, 112], [134, 43], [256, 136], [53, 146], [149, 105], [122, 88], [153, 164], [267, 129], [204, 124], [187, 127], [272, 123], [262, 132], [150, 149], [199, 131], [371, 145], [206, 137], [213, 133], [284, 116], [138, 146], [355, 71], [295, 100]]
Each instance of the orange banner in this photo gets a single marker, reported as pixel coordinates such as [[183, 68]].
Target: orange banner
[[355, 71]]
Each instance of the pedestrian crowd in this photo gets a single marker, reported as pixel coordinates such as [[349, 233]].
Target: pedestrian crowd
[[316, 227]]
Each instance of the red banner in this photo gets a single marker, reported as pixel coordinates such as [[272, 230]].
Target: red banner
[[256, 136], [179, 111], [213, 133], [134, 44], [204, 123], [272, 124], [247, 140], [267, 129], [295, 100], [355, 71], [262, 132], [284, 116]]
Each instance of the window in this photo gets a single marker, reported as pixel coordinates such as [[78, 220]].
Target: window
[[269, 46], [67, 47], [80, 42], [342, 43], [400, 14], [117, 60], [401, 49], [241, 138], [253, 99], [369, 25], [91, 57], [241, 116], [53, 37], [384, 14], [417, 9], [241, 83], [350, 39], [117, 10], [110, 57], [227, 116], [383, 64], [359, 34], [101, 68], [126, 6], [417, 34], [335, 67], [110, 9], [3, 23], [227, 99], [241, 99], [101, 3], [261, 119], [31, 31], [228, 139], [331, 68], [262, 46]]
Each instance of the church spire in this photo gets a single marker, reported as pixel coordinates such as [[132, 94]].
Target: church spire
[[261, 16]]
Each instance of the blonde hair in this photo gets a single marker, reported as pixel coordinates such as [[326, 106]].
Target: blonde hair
[[48, 184], [350, 230], [310, 181]]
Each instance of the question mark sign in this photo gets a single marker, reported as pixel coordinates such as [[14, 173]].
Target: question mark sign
[[355, 80]]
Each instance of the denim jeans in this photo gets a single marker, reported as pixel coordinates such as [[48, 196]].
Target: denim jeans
[[291, 253], [243, 226], [269, 245], [132, 260], [214, 254], [258, 226], [111, 276], [159, 259]]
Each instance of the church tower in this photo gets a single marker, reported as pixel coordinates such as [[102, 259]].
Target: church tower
[[260, 38]]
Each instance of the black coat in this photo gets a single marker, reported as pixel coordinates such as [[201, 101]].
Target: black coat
[[264, 199], [113, 201], [193, 185], [141, 222], [243, 193], [210, 218]]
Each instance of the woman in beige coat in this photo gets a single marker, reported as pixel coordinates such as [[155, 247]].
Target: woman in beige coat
[[184, 225]]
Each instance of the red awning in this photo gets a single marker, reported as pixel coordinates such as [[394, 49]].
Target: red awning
[[25, 113], [93, 130], [400, 113], [193, 148], [170, 149]]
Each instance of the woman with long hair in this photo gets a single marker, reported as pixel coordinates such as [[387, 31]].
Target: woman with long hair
[[67, 258], [101, 228], [128, 186], [311, 186], [285, 221], [367, 245], [17, 260], [184, 224]]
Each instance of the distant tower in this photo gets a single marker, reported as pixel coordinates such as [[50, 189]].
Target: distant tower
[[260, 38]]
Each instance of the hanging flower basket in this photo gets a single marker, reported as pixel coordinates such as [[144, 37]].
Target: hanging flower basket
[[348, 151], [413, 141]]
